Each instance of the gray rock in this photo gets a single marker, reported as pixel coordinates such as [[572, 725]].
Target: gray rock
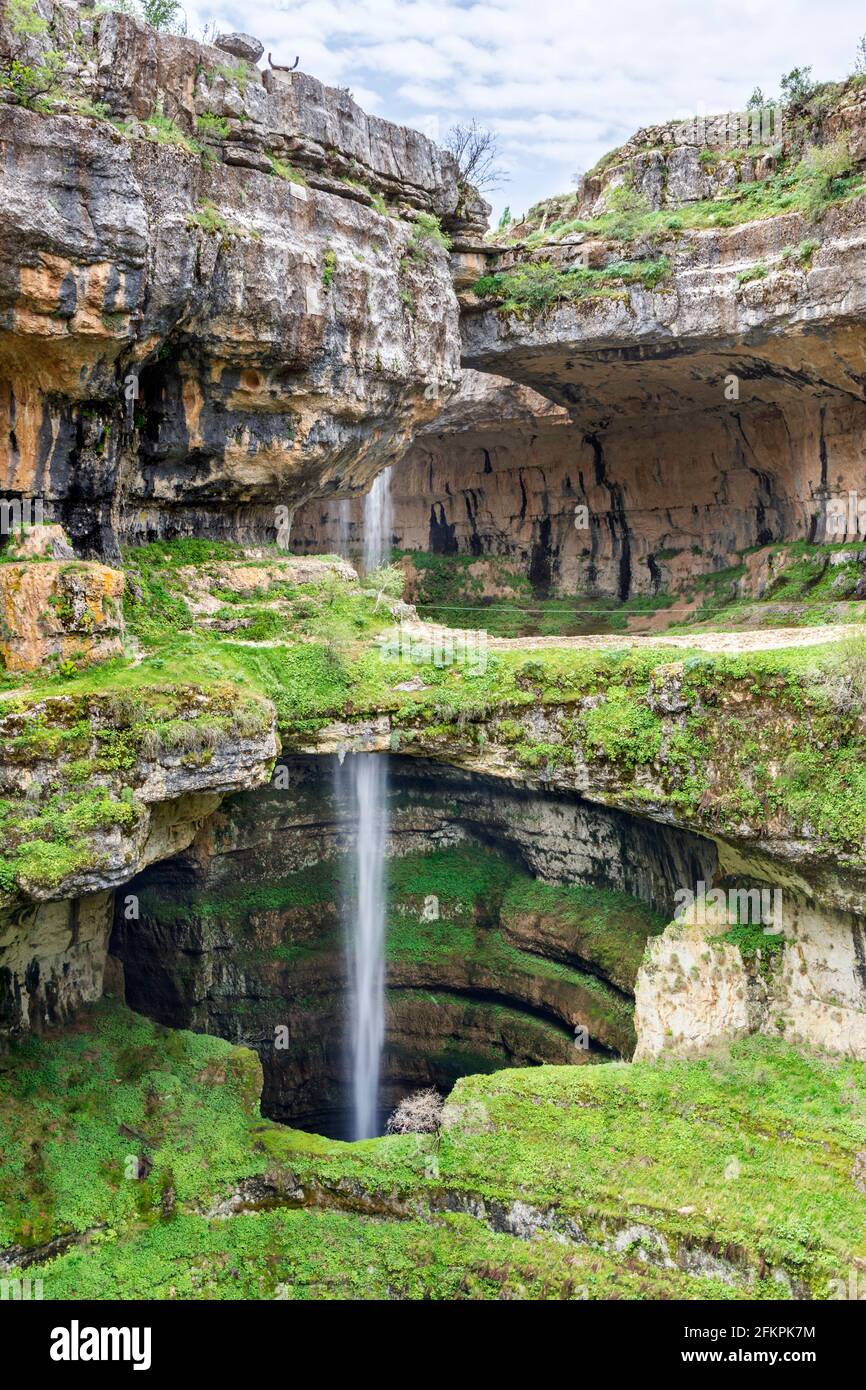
[[240, 46]]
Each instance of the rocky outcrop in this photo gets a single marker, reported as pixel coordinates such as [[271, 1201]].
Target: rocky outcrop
[[52, 960], [56, 611], [154, 770], [231, 303], [698, 990], [710, 403], [639, 508]]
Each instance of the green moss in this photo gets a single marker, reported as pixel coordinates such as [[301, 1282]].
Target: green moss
[[329, 1255], [531, 289], [73, 1106], [622, 729], [747, 1155]]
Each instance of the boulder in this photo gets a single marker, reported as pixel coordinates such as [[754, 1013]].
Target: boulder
[[240, 46], [42, 543], [53, 610]]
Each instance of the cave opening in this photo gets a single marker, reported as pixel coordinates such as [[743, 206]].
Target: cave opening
[[514, 925]]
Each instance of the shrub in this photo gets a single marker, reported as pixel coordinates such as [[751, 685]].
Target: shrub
[[797, 86], [531, 289], [418, 1113], [215, 126], [819, 172], [28, 83], [162, 131], [628, 207], [752, 272], [426, 232], [388, 579], [165, 15], [842, 678]]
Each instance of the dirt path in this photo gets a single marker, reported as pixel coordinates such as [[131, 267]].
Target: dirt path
[[758, 640]]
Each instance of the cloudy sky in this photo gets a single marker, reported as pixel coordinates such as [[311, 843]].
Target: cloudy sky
[[560, 81]]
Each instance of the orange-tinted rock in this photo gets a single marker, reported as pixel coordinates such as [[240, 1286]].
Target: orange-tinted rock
[[57, 611]]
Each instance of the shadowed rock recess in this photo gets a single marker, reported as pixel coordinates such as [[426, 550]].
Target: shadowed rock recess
[[613, 660]]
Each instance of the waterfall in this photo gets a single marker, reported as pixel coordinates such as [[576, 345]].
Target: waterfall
[[378, 522], [367, 791]]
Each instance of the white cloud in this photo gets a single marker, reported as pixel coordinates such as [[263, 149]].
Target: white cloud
[[560, 80]]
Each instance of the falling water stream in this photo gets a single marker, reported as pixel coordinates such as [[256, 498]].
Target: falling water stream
[[378, 522], [368, 798], [367, 775]]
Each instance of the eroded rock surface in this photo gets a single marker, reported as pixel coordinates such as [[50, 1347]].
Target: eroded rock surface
[[220, 303]]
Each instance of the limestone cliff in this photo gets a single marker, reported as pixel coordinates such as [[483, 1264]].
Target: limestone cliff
[[688, 331], [221, 289]]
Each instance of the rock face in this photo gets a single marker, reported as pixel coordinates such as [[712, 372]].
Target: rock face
[[696, 991], [59, 611], [52, 960], [240, 46], [719, 409], [141, 806], [228, 306], [638, 508]]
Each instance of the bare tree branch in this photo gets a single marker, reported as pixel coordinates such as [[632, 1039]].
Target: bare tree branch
[[477, 153]]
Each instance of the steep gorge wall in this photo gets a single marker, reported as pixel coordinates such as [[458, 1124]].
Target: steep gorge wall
[[505, 472], [714, 406], [286, 319]]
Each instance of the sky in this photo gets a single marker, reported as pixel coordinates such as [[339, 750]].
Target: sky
[[560, 83]]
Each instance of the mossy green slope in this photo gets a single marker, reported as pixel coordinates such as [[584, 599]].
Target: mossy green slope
[[743, 1165]]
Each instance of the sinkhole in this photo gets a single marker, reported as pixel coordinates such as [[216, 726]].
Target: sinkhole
[[382, 925]]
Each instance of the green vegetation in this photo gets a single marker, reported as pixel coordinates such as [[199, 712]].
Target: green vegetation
[[209, 219], [287, 171], [489, 913], [332, 1255], [329, 266], [823, 174], [452, 590], [77, 1107], [239, 73], [529, 290], [809, 585], [29, 84], [426, 233], [311, 651], [748, 1156], [217, 127], [821, 177], [160, 129], [803, 253], [753, 272]]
